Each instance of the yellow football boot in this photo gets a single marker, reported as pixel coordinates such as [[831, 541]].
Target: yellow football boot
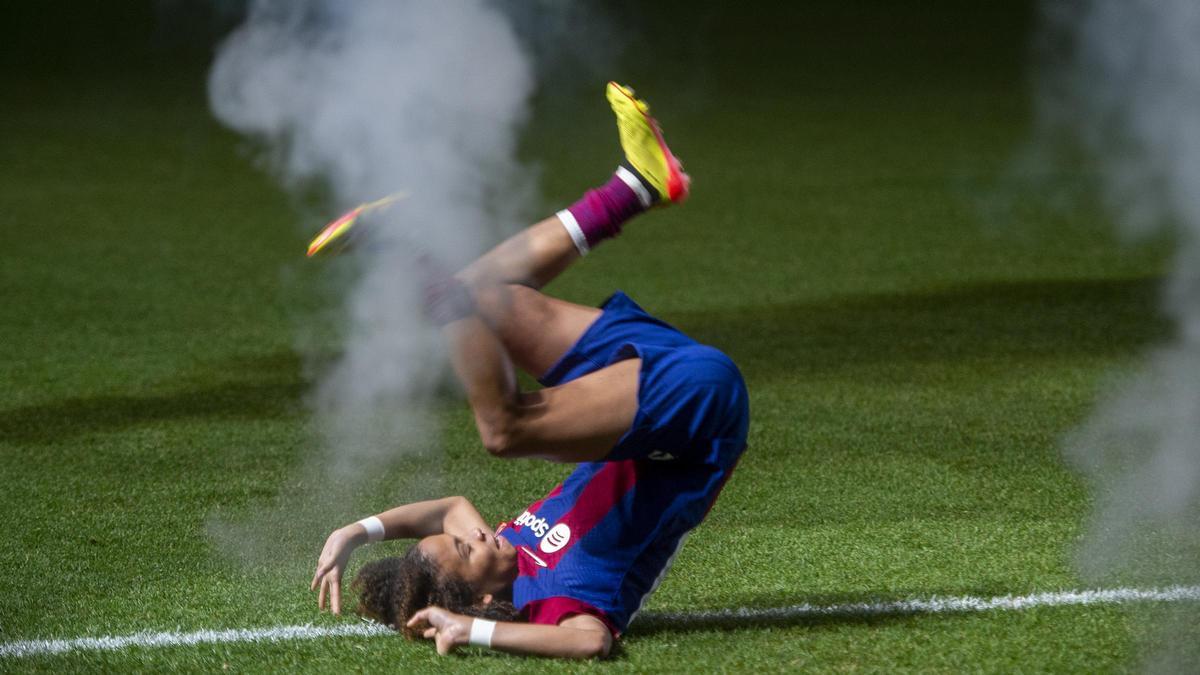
[[645, 150]]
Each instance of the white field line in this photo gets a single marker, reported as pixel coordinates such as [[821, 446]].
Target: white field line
[[200, 637], [938, 605], [933, 605]]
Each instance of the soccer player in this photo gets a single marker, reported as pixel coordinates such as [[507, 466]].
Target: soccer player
[[655, 421]]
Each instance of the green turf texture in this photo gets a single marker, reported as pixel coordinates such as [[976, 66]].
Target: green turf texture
[[916, 333]]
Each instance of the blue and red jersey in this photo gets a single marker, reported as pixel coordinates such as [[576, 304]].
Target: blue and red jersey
[[600, 542]]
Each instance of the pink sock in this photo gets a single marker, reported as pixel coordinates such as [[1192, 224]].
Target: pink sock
[[599, 214]]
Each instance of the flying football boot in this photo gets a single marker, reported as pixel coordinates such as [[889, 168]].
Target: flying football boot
[[335, 236]]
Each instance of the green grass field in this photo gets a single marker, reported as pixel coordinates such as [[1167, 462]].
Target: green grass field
[[914, 354]]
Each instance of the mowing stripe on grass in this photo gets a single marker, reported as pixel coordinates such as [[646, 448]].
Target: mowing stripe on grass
[[934, 605]]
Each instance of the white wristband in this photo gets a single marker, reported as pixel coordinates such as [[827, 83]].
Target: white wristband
[[374, 527], [481, 633]]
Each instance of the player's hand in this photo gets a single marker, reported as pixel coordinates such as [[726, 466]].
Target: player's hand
[[331, 564], [447, 629]]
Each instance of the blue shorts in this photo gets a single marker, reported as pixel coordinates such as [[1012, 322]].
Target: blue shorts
[[692, 401]]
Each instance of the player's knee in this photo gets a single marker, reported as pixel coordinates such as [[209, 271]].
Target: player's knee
[[497, 444], [494, 301], [497, 432]]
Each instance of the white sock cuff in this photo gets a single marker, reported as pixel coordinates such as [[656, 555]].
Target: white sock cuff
[[573, 229], [636, 185]]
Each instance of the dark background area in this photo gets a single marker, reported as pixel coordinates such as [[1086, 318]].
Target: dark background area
[[941, 42]]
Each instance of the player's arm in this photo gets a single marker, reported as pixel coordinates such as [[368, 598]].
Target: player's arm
[[454, 515], [577, 637]]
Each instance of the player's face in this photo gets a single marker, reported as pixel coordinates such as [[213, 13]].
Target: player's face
[[486, 561]]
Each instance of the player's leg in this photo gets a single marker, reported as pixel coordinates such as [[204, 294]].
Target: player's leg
[[537, 330], [649, 176], [581, 420], [533, 257], [584, 418], [578, 421]]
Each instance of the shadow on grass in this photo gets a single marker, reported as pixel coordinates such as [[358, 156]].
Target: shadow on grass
[[1017, 321], [265, 387]]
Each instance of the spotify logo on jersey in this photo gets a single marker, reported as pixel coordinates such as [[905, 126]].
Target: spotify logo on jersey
[[556, 538]]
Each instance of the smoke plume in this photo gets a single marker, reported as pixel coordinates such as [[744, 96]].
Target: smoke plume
[[365, 99], [1121, 80]]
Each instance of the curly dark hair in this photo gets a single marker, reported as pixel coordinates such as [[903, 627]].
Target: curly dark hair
[[391, 590]]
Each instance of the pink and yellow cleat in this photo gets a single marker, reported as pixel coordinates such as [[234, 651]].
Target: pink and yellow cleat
[[337, 232], [644, 147]]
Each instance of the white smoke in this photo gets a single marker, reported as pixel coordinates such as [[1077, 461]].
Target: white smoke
[[366, 98], [1122, 81], [371, 97]]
